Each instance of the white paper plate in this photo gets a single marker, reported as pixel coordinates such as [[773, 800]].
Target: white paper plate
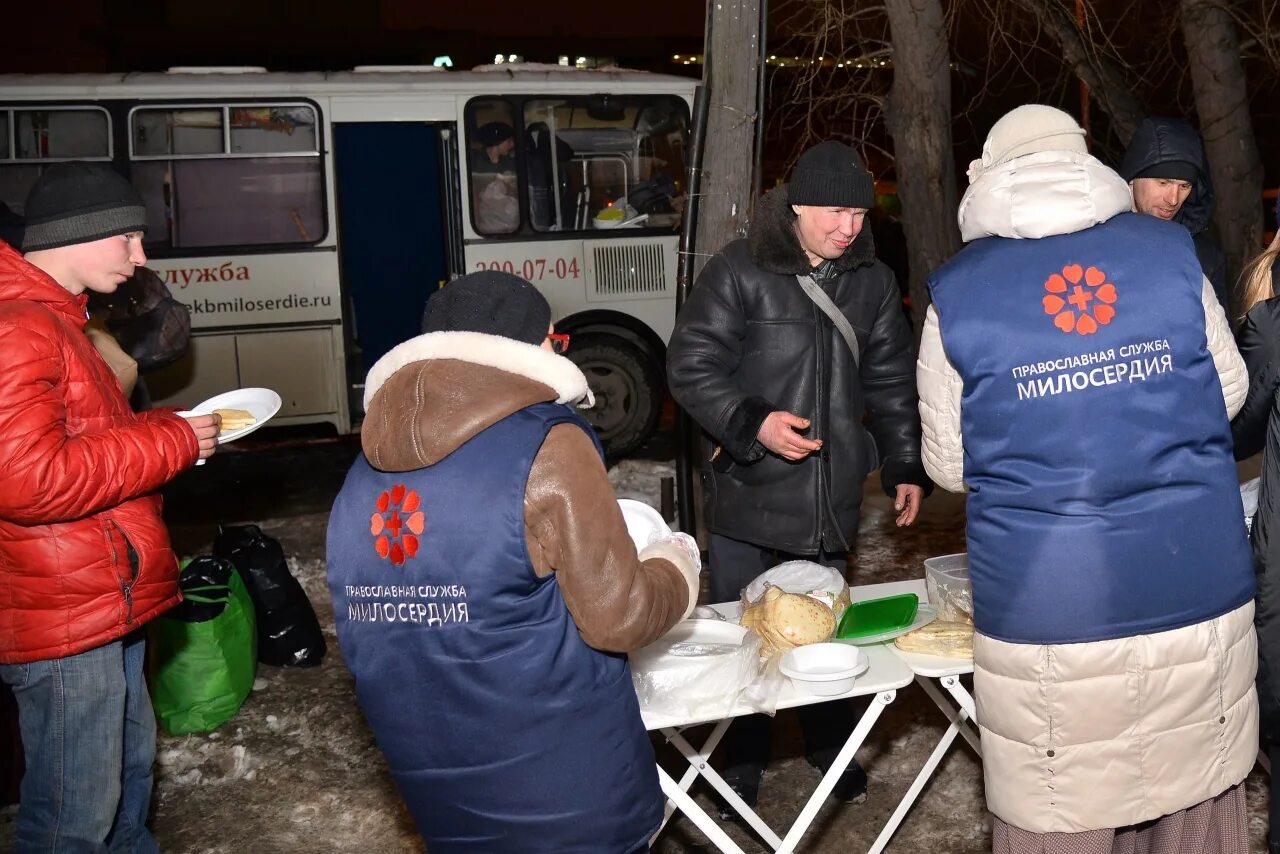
[[643, 522], [702, 631], [261, 403], [925, 615]]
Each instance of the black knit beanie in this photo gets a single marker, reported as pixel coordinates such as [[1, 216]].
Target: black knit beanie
[[79, 202], [831, 174], [492, 302], [1172, 170], [494, 133]]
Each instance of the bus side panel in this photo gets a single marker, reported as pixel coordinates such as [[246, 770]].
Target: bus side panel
[[390, 228]]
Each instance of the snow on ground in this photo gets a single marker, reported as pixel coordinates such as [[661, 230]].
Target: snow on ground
[[641, 480]]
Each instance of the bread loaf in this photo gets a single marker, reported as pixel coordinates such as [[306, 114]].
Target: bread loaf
[[787, 620]]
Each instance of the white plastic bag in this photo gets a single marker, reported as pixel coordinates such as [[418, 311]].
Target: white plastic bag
[[802, 576], [497, 209], [698, 669]]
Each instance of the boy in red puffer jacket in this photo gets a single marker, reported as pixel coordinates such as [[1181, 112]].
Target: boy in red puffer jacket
[[84, 555]]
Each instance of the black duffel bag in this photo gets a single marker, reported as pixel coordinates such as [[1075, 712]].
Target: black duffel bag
[[288, 631]]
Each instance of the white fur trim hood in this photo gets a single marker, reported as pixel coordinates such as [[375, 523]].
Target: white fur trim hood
[[492, 351]]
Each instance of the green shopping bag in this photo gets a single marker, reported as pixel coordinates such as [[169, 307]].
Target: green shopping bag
[[204, 651]]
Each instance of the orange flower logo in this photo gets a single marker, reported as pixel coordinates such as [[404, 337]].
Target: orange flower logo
[[1079, 299], [396, 536]]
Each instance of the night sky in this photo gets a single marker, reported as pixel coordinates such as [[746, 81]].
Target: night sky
[[99, 35], [132, 35]]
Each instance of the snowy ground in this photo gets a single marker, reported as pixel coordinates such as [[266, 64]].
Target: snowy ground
[[297, 770]]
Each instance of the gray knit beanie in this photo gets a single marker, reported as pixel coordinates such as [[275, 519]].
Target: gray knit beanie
[[492, 302], [79, 202]]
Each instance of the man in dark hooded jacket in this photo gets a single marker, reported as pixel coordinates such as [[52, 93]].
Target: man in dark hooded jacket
[[1166, 168], [781, 397]]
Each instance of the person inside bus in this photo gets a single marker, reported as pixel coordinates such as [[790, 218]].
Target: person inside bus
[[493, 179], [498, 688], [548, 166]]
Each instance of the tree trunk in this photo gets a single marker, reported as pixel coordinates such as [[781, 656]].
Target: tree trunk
[[732, 76], [1108, 82], [1217, 77], [918, 113]]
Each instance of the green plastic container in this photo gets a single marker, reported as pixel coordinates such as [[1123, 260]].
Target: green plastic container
[[877, 616]]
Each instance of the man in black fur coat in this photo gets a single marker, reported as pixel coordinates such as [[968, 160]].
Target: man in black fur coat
[[783, 400]]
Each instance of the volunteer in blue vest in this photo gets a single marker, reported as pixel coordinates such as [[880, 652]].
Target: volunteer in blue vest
[[485, 588], [1076, 375]]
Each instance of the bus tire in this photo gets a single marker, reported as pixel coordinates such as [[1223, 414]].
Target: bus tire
[[627, 384]]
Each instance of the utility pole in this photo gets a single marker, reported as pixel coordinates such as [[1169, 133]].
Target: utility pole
[[723, 176], [731, 74]]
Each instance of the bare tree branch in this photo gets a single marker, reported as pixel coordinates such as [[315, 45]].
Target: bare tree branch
[[1108, 82]]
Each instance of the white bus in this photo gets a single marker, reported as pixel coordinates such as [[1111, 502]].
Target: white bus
[[305, 217]]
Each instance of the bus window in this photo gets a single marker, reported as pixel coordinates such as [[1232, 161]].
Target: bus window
[[32, 137], [229, 175], [598, 161], [491, 162]]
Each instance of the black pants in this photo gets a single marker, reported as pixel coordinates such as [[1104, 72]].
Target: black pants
[[826, 726]]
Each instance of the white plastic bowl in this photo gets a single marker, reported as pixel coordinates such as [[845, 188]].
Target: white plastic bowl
[[824, 668]]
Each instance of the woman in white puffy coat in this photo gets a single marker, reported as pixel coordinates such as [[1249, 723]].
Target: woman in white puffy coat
[[1076, 376]]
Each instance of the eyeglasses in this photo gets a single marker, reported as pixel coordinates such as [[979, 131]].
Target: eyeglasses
[[559, 342]]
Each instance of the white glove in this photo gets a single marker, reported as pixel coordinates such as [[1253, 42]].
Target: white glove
[[682, 551]]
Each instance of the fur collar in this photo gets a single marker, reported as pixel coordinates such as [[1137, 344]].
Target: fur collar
[[775, 247], [494, 351]]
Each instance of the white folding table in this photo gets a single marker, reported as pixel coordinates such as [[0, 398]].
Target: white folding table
[[886, 674], [935, 674]]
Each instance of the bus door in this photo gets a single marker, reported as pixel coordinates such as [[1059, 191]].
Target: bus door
[[390, 229]]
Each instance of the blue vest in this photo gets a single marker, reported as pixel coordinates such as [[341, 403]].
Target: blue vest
[[504, 731], [1103, 494]]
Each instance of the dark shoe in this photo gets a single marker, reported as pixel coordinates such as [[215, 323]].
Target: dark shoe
[[851, 788], [746, 786]]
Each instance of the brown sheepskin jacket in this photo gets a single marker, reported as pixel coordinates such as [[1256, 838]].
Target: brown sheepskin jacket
[[439, 390]]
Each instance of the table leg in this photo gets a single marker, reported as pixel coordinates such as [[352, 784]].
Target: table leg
[[700, 819], [700, 766], [828, 781], [697, 759], [959, 724], [962, 697]]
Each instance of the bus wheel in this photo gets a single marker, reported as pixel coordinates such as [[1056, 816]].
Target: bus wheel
[[627, 386]]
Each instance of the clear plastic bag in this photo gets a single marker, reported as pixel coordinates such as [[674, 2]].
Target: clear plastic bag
[[696, 670], [802, 576]]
